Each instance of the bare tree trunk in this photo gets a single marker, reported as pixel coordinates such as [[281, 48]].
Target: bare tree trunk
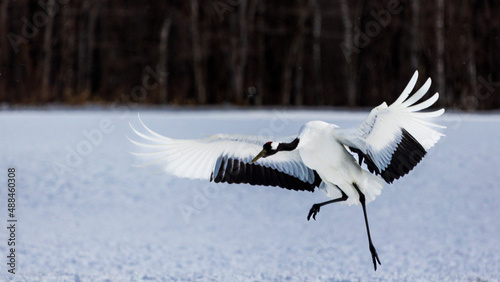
[[261, 53], [239, 42], [201, 93], [299, 76], [318, 81], [82, 50], [440, 52], [4, 49], [85, 46], [239, 45], [295, 48], [94, 15], [24, 70], [471, 64], [349, 43], [67, 75], [45, 90], [239, 52], [164, 34], [415, 40]]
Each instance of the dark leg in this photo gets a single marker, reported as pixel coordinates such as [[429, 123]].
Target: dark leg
[[372, 248], [315, 208]]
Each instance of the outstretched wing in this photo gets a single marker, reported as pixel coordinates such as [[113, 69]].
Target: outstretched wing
[[224, 158], [393, 139]]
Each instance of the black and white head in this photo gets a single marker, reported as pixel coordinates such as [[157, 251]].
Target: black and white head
[[271, 148]]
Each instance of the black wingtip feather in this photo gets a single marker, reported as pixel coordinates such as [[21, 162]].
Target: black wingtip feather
[[407, 155], [235, 171]]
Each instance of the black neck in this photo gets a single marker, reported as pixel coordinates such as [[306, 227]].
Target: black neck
[[288, 146]]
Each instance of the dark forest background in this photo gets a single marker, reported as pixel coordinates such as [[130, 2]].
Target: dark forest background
[[248, 52]]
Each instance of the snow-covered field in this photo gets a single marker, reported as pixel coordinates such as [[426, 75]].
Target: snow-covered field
[[84, 213]]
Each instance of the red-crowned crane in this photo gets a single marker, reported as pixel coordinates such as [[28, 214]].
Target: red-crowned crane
[[391, 141]]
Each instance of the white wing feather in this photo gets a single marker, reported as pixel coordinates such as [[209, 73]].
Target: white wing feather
[[198, 158], [380, 133]]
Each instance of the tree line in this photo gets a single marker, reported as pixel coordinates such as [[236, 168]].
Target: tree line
[[248, 52]]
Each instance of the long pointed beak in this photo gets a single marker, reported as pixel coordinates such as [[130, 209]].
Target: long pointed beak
[[262, 153]]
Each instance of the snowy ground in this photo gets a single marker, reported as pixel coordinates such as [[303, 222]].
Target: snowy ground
[[84, 213]]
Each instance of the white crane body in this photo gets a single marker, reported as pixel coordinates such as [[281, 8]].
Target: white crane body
[[321, 151]]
